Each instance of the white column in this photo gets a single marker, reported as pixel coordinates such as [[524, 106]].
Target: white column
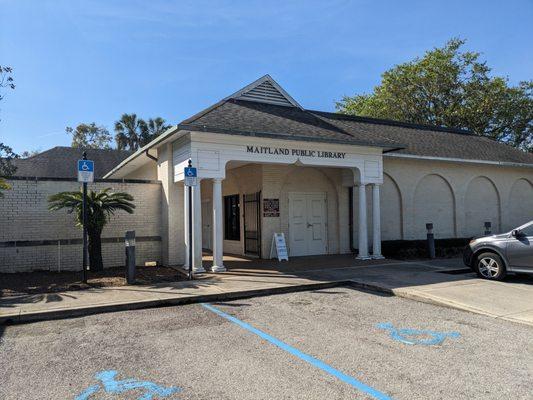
[[363, 231], [197, 229], [218, 238], [376, 223], [186, 224]]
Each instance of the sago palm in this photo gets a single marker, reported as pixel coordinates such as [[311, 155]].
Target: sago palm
[[100, 206]]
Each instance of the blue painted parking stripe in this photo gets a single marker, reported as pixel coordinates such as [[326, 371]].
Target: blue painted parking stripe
[[303, 356]]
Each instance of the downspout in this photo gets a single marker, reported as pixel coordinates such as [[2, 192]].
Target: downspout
[[150, 156]]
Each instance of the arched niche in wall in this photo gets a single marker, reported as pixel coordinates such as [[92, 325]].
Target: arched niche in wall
[[434, 202], [391, 210], [482, 204], [520, 203]]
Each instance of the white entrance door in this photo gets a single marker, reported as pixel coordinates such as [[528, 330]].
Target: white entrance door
[[207, 224], [307, 224]]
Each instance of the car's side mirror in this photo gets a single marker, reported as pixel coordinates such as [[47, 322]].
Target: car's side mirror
[[517, 233]]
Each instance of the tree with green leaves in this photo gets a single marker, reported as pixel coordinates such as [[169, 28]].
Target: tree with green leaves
[[100, 207], [129, 131], [152, 129], [132, 133], [29, 153], [6, 153], [452, 88], [90, 136], [7, 168], [6, 79]]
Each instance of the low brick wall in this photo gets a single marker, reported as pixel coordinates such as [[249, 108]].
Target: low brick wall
[[33, 238]]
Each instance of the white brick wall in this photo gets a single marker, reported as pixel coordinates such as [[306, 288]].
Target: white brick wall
[[24, 216]]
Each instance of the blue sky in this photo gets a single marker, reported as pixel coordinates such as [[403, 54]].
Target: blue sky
[[85, 61]]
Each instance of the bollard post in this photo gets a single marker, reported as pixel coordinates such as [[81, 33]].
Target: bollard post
[[130, 257], [488, 226], [430, 240]]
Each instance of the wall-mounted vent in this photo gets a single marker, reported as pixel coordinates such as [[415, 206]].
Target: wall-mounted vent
[[265, 90]]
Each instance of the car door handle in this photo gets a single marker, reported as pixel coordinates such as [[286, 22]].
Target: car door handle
[[309, 225]]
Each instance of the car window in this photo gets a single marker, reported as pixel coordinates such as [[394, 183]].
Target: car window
[[527, 230]]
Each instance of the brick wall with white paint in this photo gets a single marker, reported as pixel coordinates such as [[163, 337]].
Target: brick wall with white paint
[[458, 197], [24, 216]]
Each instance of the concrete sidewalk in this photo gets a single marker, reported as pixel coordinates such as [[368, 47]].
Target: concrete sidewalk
[[418, 280]]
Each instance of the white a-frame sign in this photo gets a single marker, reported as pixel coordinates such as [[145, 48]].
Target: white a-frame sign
[[279, 246]]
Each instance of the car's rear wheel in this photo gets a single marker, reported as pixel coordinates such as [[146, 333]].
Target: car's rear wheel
[[490, 266]]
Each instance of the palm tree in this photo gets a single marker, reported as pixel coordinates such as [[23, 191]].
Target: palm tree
[[100, 206], [129, 132], [152, 129]]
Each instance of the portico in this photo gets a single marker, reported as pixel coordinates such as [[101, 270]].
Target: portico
[[308, 181]]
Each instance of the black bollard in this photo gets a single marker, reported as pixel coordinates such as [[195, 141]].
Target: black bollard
[[430, 240], [130, 257], [488, 226]]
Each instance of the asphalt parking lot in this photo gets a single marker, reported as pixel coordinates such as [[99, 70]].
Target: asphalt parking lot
[[337, 343]]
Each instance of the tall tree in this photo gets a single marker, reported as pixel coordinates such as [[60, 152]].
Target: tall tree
[[132, 133], [129, 132], [90, 136], [29, 153], [453, 88], [6, 79], [100, 206], [7, 168], [6, 153], [152, 129]]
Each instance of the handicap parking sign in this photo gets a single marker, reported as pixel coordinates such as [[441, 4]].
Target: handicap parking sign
[[85, 171], [190, 176]]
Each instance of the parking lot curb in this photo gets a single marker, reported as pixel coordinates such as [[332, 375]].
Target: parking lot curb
[[47, 315]]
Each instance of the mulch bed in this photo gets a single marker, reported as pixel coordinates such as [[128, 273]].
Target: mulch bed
[[47, 281]]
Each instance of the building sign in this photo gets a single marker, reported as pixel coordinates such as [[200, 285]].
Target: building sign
[[294, 152], [270, 207]]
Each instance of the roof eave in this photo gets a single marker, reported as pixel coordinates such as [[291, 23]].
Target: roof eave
[[462, 160], [154, 143], [270, 135]]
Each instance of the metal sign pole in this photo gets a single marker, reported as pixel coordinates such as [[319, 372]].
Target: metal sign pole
[[190, 232], [190, 180], [84, 212]]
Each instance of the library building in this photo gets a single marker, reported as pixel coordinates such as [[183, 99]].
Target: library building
[[327, 183]]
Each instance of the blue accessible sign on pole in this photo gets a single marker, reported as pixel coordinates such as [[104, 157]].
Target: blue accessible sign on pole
[[85, 171], [190, 176]]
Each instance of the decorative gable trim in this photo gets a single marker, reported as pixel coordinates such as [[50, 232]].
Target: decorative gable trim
[[265, 90]]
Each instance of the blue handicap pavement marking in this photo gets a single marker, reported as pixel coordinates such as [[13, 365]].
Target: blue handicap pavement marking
[[303, 356], [409, 336], [112, 386]]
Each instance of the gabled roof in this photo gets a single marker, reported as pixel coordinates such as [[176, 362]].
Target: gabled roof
[[60, 162], [247, 118], [265, 90]]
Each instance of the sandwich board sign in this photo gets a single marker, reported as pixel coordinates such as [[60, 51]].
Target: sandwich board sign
[[191, 176], [85, 171], [279, 246]]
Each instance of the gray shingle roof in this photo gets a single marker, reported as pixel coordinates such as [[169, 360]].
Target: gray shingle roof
[[253, 118], [60, 162]]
